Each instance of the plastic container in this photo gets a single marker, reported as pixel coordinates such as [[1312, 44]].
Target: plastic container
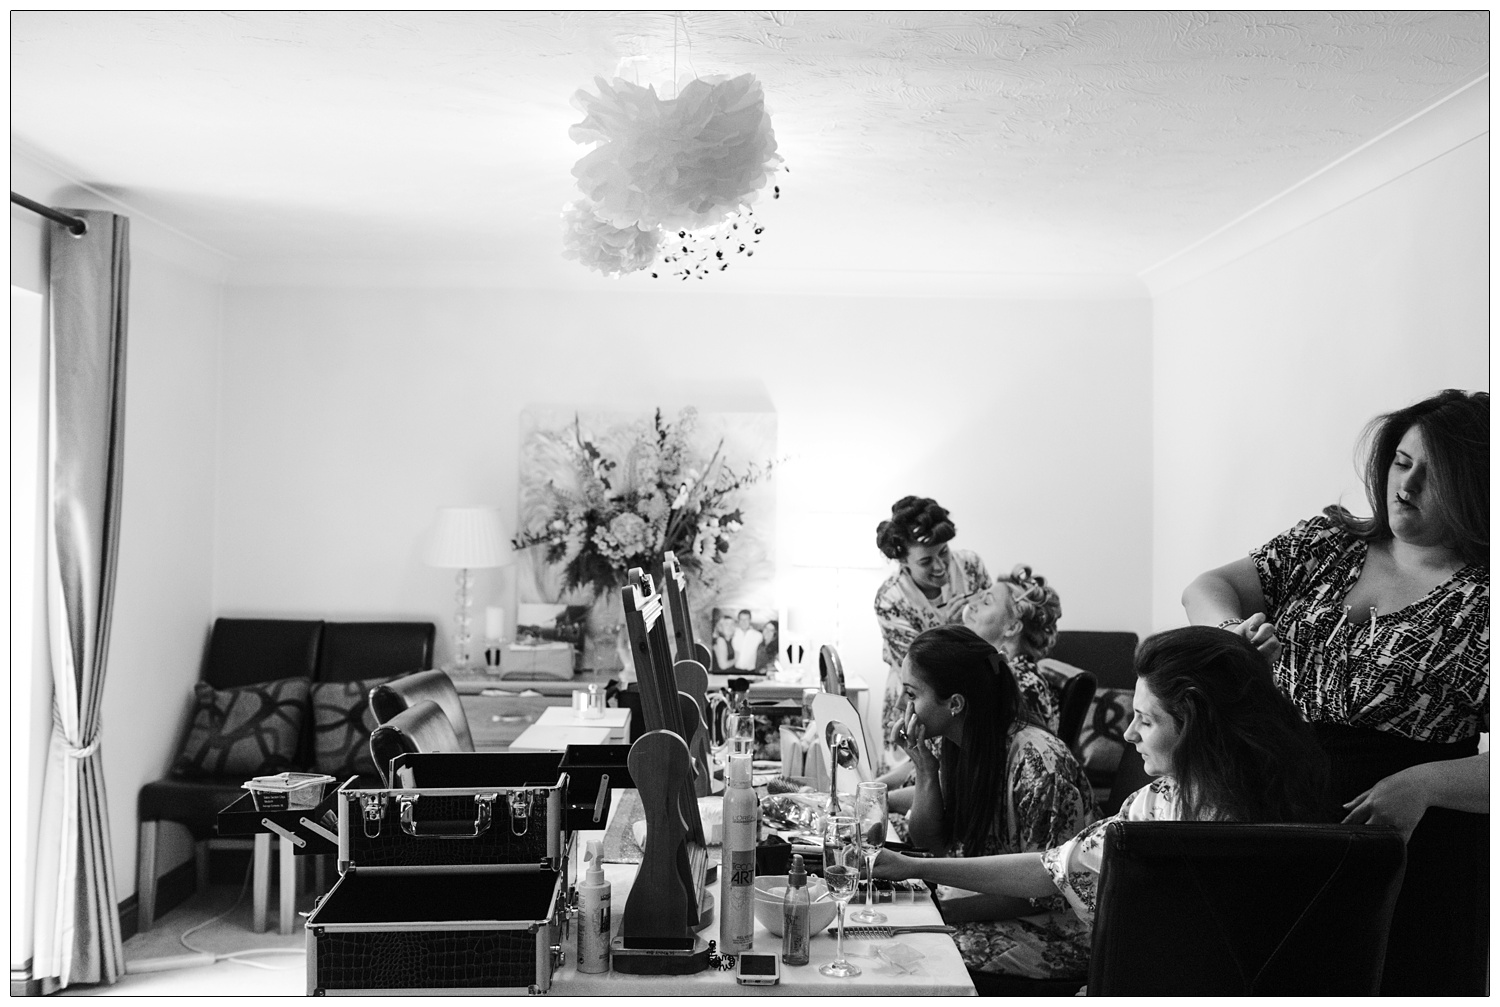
[[287, 791], [593, 913]]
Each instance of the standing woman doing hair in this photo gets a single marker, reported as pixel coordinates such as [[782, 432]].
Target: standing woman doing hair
[[1379, 629], [1225, 744], [998, 783], [930, 588]]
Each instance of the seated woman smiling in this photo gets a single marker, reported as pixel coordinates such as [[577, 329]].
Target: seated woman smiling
[[997, 784], [1223, 742]]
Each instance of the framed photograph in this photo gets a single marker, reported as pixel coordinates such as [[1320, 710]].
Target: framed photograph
[[743, 639]]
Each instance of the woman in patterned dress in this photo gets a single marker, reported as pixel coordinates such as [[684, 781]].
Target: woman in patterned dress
[[931, 588], [998, 783], [1224, 744], [1018, 617], [1379, 629]]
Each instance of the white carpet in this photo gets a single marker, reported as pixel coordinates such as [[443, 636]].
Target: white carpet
[[269, 975]]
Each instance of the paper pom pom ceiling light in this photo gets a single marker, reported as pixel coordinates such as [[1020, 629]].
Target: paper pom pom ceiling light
[[672, 179]]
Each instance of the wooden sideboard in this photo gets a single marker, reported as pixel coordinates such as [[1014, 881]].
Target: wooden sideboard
[[499, 709]]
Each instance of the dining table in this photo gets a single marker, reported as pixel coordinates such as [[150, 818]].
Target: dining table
[[913, 964]]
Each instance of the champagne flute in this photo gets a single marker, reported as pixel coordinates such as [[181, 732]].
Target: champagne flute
[[740, 733], [841, 858], [871, 809], [738, 736]]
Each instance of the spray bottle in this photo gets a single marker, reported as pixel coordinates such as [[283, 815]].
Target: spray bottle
[[593, 913], [737, 871], [796, 910]]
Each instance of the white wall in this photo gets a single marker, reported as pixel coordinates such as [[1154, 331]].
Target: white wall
[[1268, 367], [163, 599], [349, 416]]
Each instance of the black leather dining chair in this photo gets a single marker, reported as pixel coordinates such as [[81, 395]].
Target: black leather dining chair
[[1227, 909], [420, 728], [390, 698]]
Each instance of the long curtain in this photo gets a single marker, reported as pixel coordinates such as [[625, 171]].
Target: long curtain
[[77, 920]]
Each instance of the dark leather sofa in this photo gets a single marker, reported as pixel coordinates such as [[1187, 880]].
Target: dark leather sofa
[[248, 651]]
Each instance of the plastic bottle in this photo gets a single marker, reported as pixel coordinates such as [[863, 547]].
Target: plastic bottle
[[737, 871], [796, 910], [593, 913]]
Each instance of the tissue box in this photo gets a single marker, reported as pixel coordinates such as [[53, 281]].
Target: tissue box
[[541, 660]]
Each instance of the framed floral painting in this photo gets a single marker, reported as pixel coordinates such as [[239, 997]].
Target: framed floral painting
[[602, 492]]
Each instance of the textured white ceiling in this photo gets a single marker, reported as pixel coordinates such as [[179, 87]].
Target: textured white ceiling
[[970, 142]]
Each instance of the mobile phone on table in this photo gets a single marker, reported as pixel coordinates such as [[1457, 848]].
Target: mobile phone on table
[[757, 970]]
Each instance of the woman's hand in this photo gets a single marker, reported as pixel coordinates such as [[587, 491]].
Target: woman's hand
[[913, 740], [1400, 799], [892, 866], [1261, 634]]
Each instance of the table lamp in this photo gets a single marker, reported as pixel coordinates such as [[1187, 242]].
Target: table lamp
[[467, 538]]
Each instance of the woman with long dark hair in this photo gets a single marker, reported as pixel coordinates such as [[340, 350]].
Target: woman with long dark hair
[[998, 783], [1223, 742], [1379, 630]]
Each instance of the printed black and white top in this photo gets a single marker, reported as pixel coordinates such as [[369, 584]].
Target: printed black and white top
[[1421, 672]]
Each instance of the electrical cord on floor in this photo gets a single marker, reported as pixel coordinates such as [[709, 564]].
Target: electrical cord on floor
[[236, 956]]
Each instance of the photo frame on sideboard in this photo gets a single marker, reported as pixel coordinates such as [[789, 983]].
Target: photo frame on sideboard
[[743, 639]]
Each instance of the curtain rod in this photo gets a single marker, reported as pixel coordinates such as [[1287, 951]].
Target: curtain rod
[[75, 224]]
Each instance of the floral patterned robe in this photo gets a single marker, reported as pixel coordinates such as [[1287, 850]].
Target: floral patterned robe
[[903, 612], [1047, 801], [1075, 864]]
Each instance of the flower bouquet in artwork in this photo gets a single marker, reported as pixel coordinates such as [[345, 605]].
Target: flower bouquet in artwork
[[625, 501]]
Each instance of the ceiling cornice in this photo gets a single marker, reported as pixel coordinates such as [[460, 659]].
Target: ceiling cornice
[[1458, 119]]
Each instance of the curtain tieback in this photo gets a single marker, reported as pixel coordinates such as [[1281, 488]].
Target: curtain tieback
[[75, 751], [85, 751]]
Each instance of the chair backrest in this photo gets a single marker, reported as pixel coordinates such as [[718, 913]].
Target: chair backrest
[[423, 727], [1110, 656], [1073, 698], [390, 698], [830, 670], [1213, 908], [246, 651], [352, 651]]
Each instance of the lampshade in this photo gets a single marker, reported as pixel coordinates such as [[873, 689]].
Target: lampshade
[[468, 537]]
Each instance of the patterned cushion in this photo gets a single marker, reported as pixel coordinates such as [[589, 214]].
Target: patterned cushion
[[342, 722], [251, 730], [1102, 739]]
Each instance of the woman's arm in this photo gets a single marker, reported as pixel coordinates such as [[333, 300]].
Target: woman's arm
[[899, 800], [1233, 591], [1018, 875], [924, 819], [1401, 799]]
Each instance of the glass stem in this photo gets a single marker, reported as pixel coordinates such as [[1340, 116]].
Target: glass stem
[[839, 953]]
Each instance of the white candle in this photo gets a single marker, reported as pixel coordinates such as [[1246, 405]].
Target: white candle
[[494, 622]]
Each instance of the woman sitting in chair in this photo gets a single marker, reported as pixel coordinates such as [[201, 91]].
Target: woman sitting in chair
[[997, 784], [1018, 617], [1224, 744]]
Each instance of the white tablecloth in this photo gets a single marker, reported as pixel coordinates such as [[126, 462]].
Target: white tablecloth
[[939, 972]]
